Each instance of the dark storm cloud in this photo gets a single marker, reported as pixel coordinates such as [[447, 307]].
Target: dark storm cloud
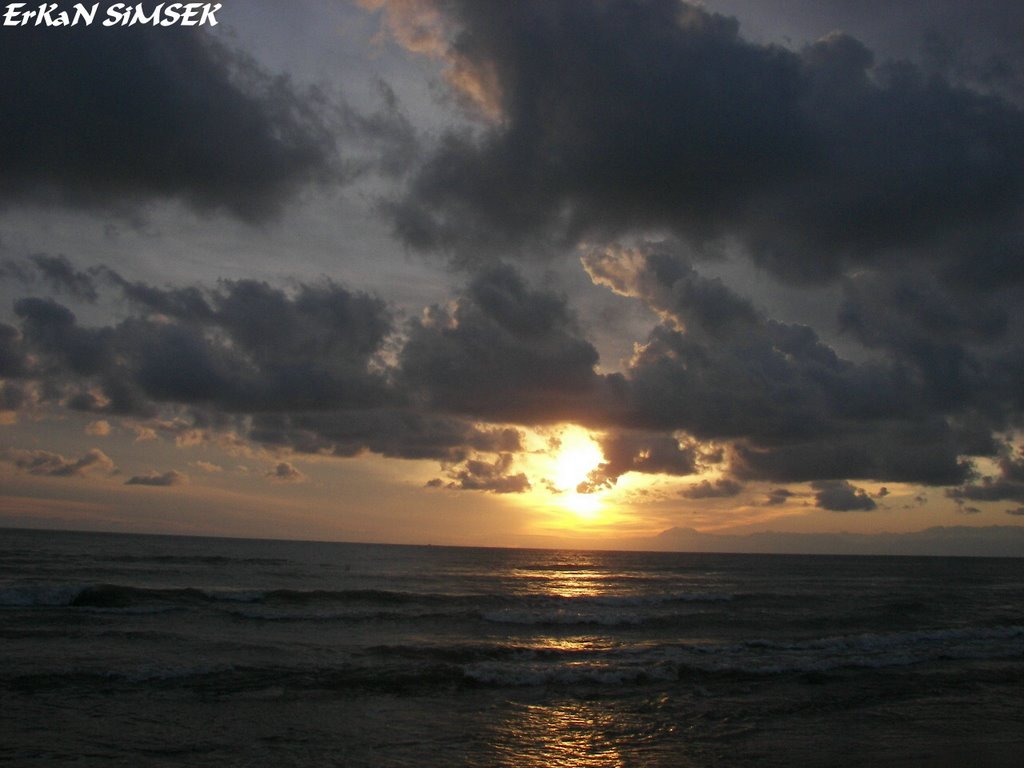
[[723, 488], [719, 369], [391, 432], [187, 302], [55, 272], [778, 497], [159, 479], [629, 114], [244, 347], [639, 452], [990, 490], [47, 464], [977, 44], [1008, 485], [320, 369], [108, 117], [964, 345], [504, 351], [13, 360], [476, 475], [51, 328], [58, 272], [926, 454], [310, 369], [840, 496], [13, 396]]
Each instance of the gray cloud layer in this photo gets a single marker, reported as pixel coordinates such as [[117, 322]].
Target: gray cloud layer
[[104, 117], [159, 479], [324, 369], [626, 114], [47, 464]]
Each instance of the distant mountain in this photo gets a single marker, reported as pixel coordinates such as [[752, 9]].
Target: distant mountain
[[993, 541]]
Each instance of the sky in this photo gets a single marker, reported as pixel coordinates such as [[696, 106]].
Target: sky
[[515, 273]]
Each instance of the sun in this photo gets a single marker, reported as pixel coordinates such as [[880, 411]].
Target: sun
[[576, 457]]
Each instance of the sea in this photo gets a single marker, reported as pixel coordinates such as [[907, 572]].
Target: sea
[[133, 650]]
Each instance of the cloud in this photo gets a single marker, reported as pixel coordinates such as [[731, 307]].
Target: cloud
[[391, 432], [778, 496], [652, 114], [1007, 486], [243, 347], [187, 117], [925, 453], [158, 479], [477, 475], [989, 489], [14, 362], [47, 464], [719, 369], [320, 369], [723, 488], [284, 472], [208, 467], [979, 49], [822, 165], [502, 351], [20, 395], [58, 273], [840, 496], [639, 452], [323, 369], [312, 369]]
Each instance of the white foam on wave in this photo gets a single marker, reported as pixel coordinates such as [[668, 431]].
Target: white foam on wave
[[652, 663]]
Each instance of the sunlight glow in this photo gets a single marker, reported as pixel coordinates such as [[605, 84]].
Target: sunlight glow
[[585, 505], [576, 457]]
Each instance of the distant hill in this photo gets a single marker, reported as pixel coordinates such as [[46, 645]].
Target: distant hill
[[993, 541]]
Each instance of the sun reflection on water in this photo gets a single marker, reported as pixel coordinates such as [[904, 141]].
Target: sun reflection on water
[[569, 734]]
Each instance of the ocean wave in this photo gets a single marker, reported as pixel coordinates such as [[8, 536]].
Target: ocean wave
[[604, 610], [529, 608], [499, 663], [594, 673], [350, 614], [855, 651], [122, 595], [564, 617], [639, 601], [752, 658], [218, 560], [42, 595], [934, 640]]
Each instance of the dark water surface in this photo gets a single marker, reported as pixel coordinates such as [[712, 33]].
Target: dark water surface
[[165, 651]]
